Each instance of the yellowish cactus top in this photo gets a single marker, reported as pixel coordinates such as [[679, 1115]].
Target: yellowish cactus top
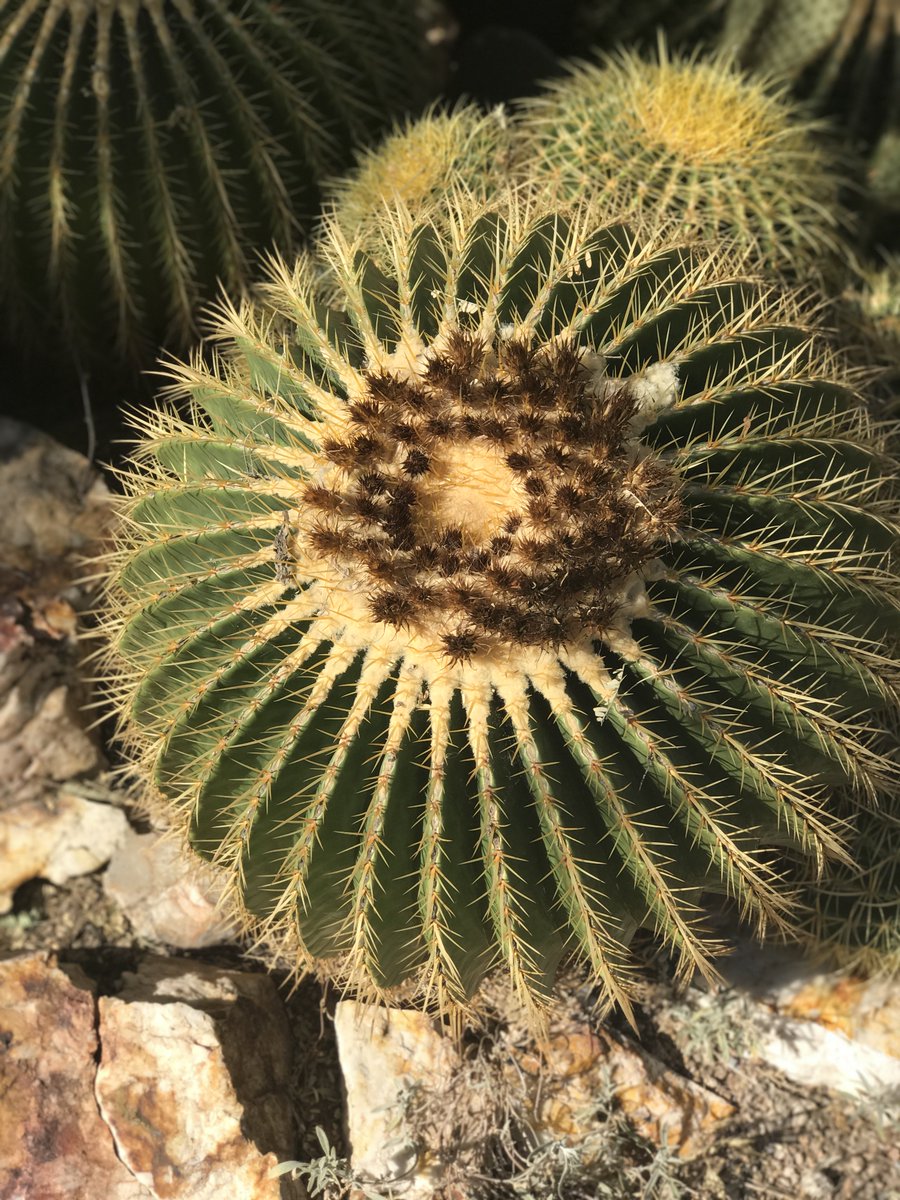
[[701, 112]]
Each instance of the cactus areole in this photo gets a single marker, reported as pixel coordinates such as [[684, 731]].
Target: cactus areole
[[536, 586]]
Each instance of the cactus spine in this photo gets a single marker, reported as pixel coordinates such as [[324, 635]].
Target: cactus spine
[[152, 148], [537, 588]]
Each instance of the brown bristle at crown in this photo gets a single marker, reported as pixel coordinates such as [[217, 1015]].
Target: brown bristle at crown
[[578, 513]]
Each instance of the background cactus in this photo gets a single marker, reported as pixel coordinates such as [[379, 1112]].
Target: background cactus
[[694, 140], [414, 165], [618, 22], [870, 315], [539, 589], [843, 56], [856, 909], [151, 149], [883, 185]]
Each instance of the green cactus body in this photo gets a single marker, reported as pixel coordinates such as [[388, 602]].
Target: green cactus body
[[856, 909], [539, 589], [693, 140], [151, 149], [883, 184], [843, 57]]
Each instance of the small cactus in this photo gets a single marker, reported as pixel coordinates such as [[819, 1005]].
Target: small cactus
[[414, 165], [151, 150], [879, 300], [694, 140], [538, 586], [869, 316]]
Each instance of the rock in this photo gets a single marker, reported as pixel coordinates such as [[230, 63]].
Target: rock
[[815, 1056], [56, 838], [55, 509], [383, 1054], [419, 1113], [865, 1010], [822, 1028], [579, 1063], [167, 896], [43, 740], [54, 503], [54, 1145], [193, 1081], [188, 1102]]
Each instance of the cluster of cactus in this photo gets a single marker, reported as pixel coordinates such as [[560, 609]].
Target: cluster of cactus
[[695, 140], [152, 150], [503, 593], [698, 143]]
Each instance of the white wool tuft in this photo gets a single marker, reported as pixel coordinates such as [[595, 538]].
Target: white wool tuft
[[654, 388]]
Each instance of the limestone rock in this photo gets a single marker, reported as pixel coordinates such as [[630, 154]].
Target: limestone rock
[[579, 1062], [56, 838], [188, 1102], [813, 1055], [865, 1010], [53, 502], [419, 1114], [55, 509], [167, 896], [54, 1145], [383, 1053], [822, 1028], [43, 739], [193, 1081]]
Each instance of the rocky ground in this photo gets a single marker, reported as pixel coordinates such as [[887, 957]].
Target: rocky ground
[[144, 1054]]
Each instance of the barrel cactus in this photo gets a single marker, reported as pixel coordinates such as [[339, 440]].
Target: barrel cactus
[[414, 164], [624, 22], [855, 912], [497, 603], [695, 140], [883, 183], [152, 149], [870, 317]]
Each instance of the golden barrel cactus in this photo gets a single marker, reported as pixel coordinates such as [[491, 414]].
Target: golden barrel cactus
[[483, 605]]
